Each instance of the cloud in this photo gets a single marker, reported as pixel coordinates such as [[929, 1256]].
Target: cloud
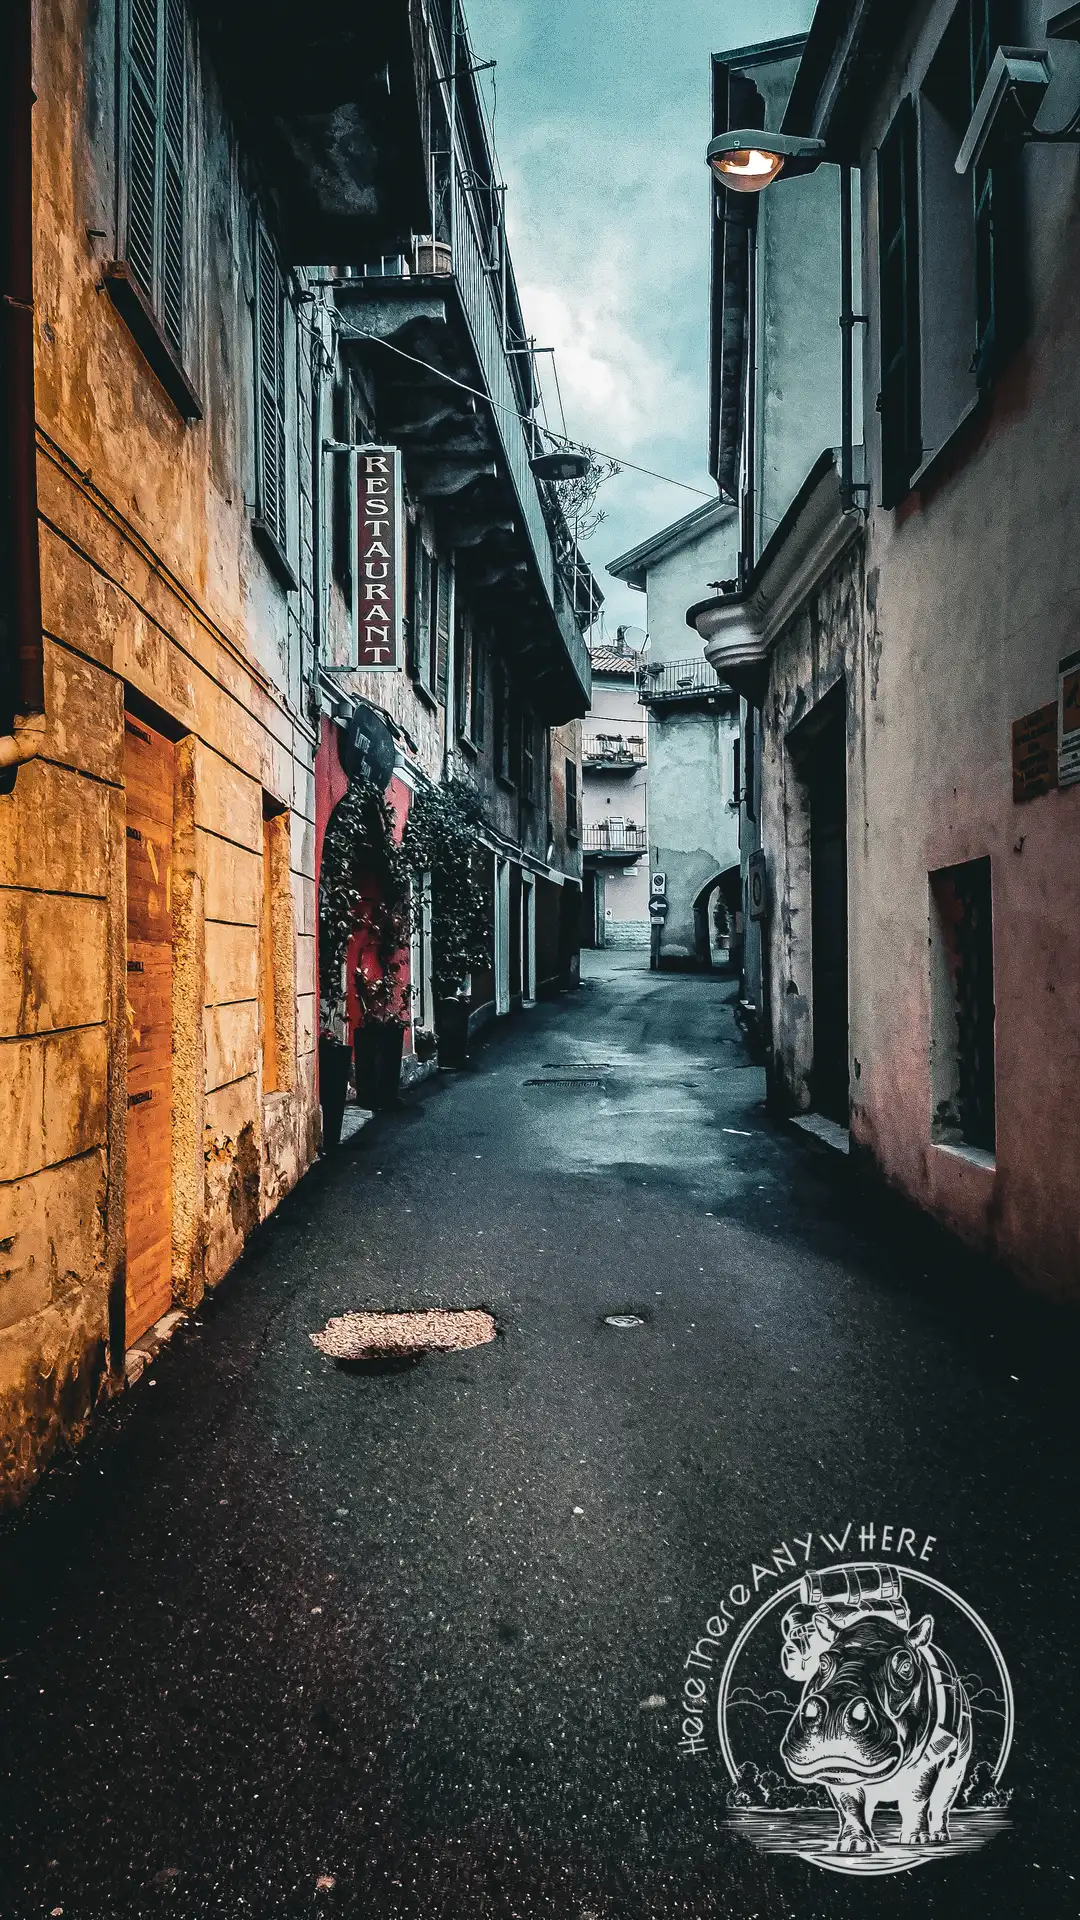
[[773, 1702]]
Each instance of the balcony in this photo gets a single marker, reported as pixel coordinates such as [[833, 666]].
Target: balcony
[[613, 752], [616, 841], [682, 683], [467, 448]]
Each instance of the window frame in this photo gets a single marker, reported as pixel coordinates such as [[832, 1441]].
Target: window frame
[[149, 281], [899, 343]]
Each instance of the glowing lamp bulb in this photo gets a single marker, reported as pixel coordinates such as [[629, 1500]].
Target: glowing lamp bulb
[[747, 169]]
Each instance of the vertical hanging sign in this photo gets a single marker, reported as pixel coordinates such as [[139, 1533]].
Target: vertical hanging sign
[[381, 572]]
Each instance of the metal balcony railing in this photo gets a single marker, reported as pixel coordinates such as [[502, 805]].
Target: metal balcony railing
[[615, 837], [678, 680], [614, 749]]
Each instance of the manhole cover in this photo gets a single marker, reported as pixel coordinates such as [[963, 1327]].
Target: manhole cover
[[383, 1336], [579, 1081], [623, 1320]]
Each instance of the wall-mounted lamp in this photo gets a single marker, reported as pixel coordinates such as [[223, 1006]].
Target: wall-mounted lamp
[[1003, 122], [748, 159], [560, 466]]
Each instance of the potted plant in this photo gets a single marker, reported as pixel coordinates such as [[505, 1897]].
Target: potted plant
[[442, 839], [363, 889], [379, 1038]]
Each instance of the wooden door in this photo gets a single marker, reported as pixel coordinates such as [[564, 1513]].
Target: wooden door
[[148, 778]]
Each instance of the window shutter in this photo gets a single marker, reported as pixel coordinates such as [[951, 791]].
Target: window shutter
[[898, 266], [1000, 270], [442, 650], [270, 389], [172, 174], [478, 689], [141, 173]]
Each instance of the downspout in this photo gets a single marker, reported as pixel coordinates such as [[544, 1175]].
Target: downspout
[[20, 606], [849, 320], [748, 542]]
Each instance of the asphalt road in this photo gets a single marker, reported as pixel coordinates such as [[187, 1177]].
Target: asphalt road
[[423, 1633]]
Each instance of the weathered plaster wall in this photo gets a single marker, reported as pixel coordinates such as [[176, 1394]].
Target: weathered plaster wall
[[152, 588], [973, 595], [819, 649], [693, 825]]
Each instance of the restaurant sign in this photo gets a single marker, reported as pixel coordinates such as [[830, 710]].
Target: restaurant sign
[[381, 570]]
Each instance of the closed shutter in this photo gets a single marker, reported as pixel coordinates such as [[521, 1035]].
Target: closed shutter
[[141, 175], [442, 650], [1000, 268], [270, 389], [898, 265], [155, 157], [172, 175]]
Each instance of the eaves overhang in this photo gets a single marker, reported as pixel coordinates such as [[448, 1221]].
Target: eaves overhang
[[633, 566], [466, 457], [740, 629], [849, 51], [328, 104]]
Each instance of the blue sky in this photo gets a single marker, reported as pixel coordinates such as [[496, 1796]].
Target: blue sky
[[602, 118]]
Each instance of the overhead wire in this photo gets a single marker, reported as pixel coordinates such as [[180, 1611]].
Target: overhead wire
[[563, 439]]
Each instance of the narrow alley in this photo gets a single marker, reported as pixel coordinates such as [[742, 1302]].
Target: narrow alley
[[288, 1635]]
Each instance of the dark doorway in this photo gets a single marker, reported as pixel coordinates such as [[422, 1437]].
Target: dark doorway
[[826, 778]]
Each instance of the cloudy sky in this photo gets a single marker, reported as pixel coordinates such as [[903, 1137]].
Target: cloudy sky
[[601, 118]]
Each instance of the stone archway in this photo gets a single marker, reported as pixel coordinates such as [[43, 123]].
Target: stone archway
[[716, 921]]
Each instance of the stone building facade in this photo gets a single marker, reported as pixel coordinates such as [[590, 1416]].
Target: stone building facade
[[906, 637], [177, 375]]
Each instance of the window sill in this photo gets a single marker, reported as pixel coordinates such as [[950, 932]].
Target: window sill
[[932, 467], [503, 780], [272, 552], [468, 746], [974, 1156], [145, 329], [424, 694]]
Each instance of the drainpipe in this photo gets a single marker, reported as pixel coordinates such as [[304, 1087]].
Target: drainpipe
[[849, 320], [20, 605], [748, 542]]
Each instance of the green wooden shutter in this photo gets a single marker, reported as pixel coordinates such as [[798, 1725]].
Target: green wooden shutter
[[1000, 267], [270, 389], [155, 145], [173, 90], [141, 169], [899, 402], [442, 648]]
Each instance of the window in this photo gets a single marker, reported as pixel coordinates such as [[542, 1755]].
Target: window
[[898, 401], [462, 651], [999, 275], [749, 793], [478, 691], [343, 493], [154, 153], [573, 824], [528, 757], [147, 283], [501, 718], [270, 524], [962, 1006], [947, 241]]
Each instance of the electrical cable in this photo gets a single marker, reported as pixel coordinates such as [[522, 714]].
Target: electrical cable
[[631, 466]]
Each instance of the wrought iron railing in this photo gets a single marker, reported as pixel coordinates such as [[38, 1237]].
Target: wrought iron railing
[[678, 680], [614, 748], [615, 836]]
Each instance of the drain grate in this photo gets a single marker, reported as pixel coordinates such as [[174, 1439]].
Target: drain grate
[[383, 1336], [577, 1066], [580, 1081]]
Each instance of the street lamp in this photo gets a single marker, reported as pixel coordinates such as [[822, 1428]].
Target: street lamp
[[748, 159], [564, 465]]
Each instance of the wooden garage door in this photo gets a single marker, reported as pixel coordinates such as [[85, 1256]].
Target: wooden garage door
[[148, 777]]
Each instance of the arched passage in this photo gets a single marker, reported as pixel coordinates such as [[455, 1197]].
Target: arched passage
[[715, 919]]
